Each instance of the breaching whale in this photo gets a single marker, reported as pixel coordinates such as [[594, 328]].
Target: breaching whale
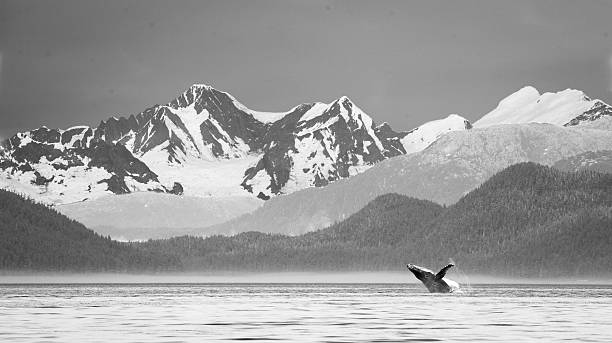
[[435, 283]]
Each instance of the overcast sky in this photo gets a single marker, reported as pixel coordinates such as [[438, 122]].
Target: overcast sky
[[65, 63]]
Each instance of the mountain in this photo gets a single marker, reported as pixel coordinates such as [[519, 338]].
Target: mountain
[[456, 163], [527, 220], [206, 131], [201, 123], [569, 107], [34, 237], [71, 165], [144, 215], [316, 144], [205, 143], [599, 161]]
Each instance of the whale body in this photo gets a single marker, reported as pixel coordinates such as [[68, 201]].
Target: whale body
[[435, 282]]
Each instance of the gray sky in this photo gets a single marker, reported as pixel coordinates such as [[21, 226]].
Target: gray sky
[[64, 63]]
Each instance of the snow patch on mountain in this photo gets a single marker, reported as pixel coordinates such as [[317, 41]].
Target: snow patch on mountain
[[262, 116], [200, 177], [267, 117], [193, 121], [316, 110], [75, 184]]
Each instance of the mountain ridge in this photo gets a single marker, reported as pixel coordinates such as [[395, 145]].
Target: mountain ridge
[[240, 151]]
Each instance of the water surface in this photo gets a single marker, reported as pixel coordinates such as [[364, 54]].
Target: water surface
[[303, 312]]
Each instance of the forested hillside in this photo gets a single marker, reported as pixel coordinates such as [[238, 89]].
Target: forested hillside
[[528, 220], [35, 237], [373, 238]]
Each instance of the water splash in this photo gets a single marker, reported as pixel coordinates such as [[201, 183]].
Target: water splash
[[462, 278]]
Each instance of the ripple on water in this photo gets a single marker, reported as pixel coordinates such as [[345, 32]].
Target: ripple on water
[[305, 313]]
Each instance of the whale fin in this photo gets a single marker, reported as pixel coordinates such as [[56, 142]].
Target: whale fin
[[443, 271]]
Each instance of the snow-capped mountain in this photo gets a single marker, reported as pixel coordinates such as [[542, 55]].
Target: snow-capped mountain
[[206, 131], [316, 144], [201, 123], [569, 107], [208, 134], [446, 170], [58, 166], [206, 143], [204, 139]]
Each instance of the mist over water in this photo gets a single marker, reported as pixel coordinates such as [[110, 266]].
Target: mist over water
[[385, 277], [214, 277], [302, 313]]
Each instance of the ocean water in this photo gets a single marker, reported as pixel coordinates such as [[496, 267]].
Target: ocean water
[[303, 313]]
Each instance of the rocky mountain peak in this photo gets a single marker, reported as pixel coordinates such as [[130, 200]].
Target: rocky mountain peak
[[322, 143]]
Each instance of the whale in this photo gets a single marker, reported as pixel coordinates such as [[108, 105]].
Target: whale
[[435, 282]]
